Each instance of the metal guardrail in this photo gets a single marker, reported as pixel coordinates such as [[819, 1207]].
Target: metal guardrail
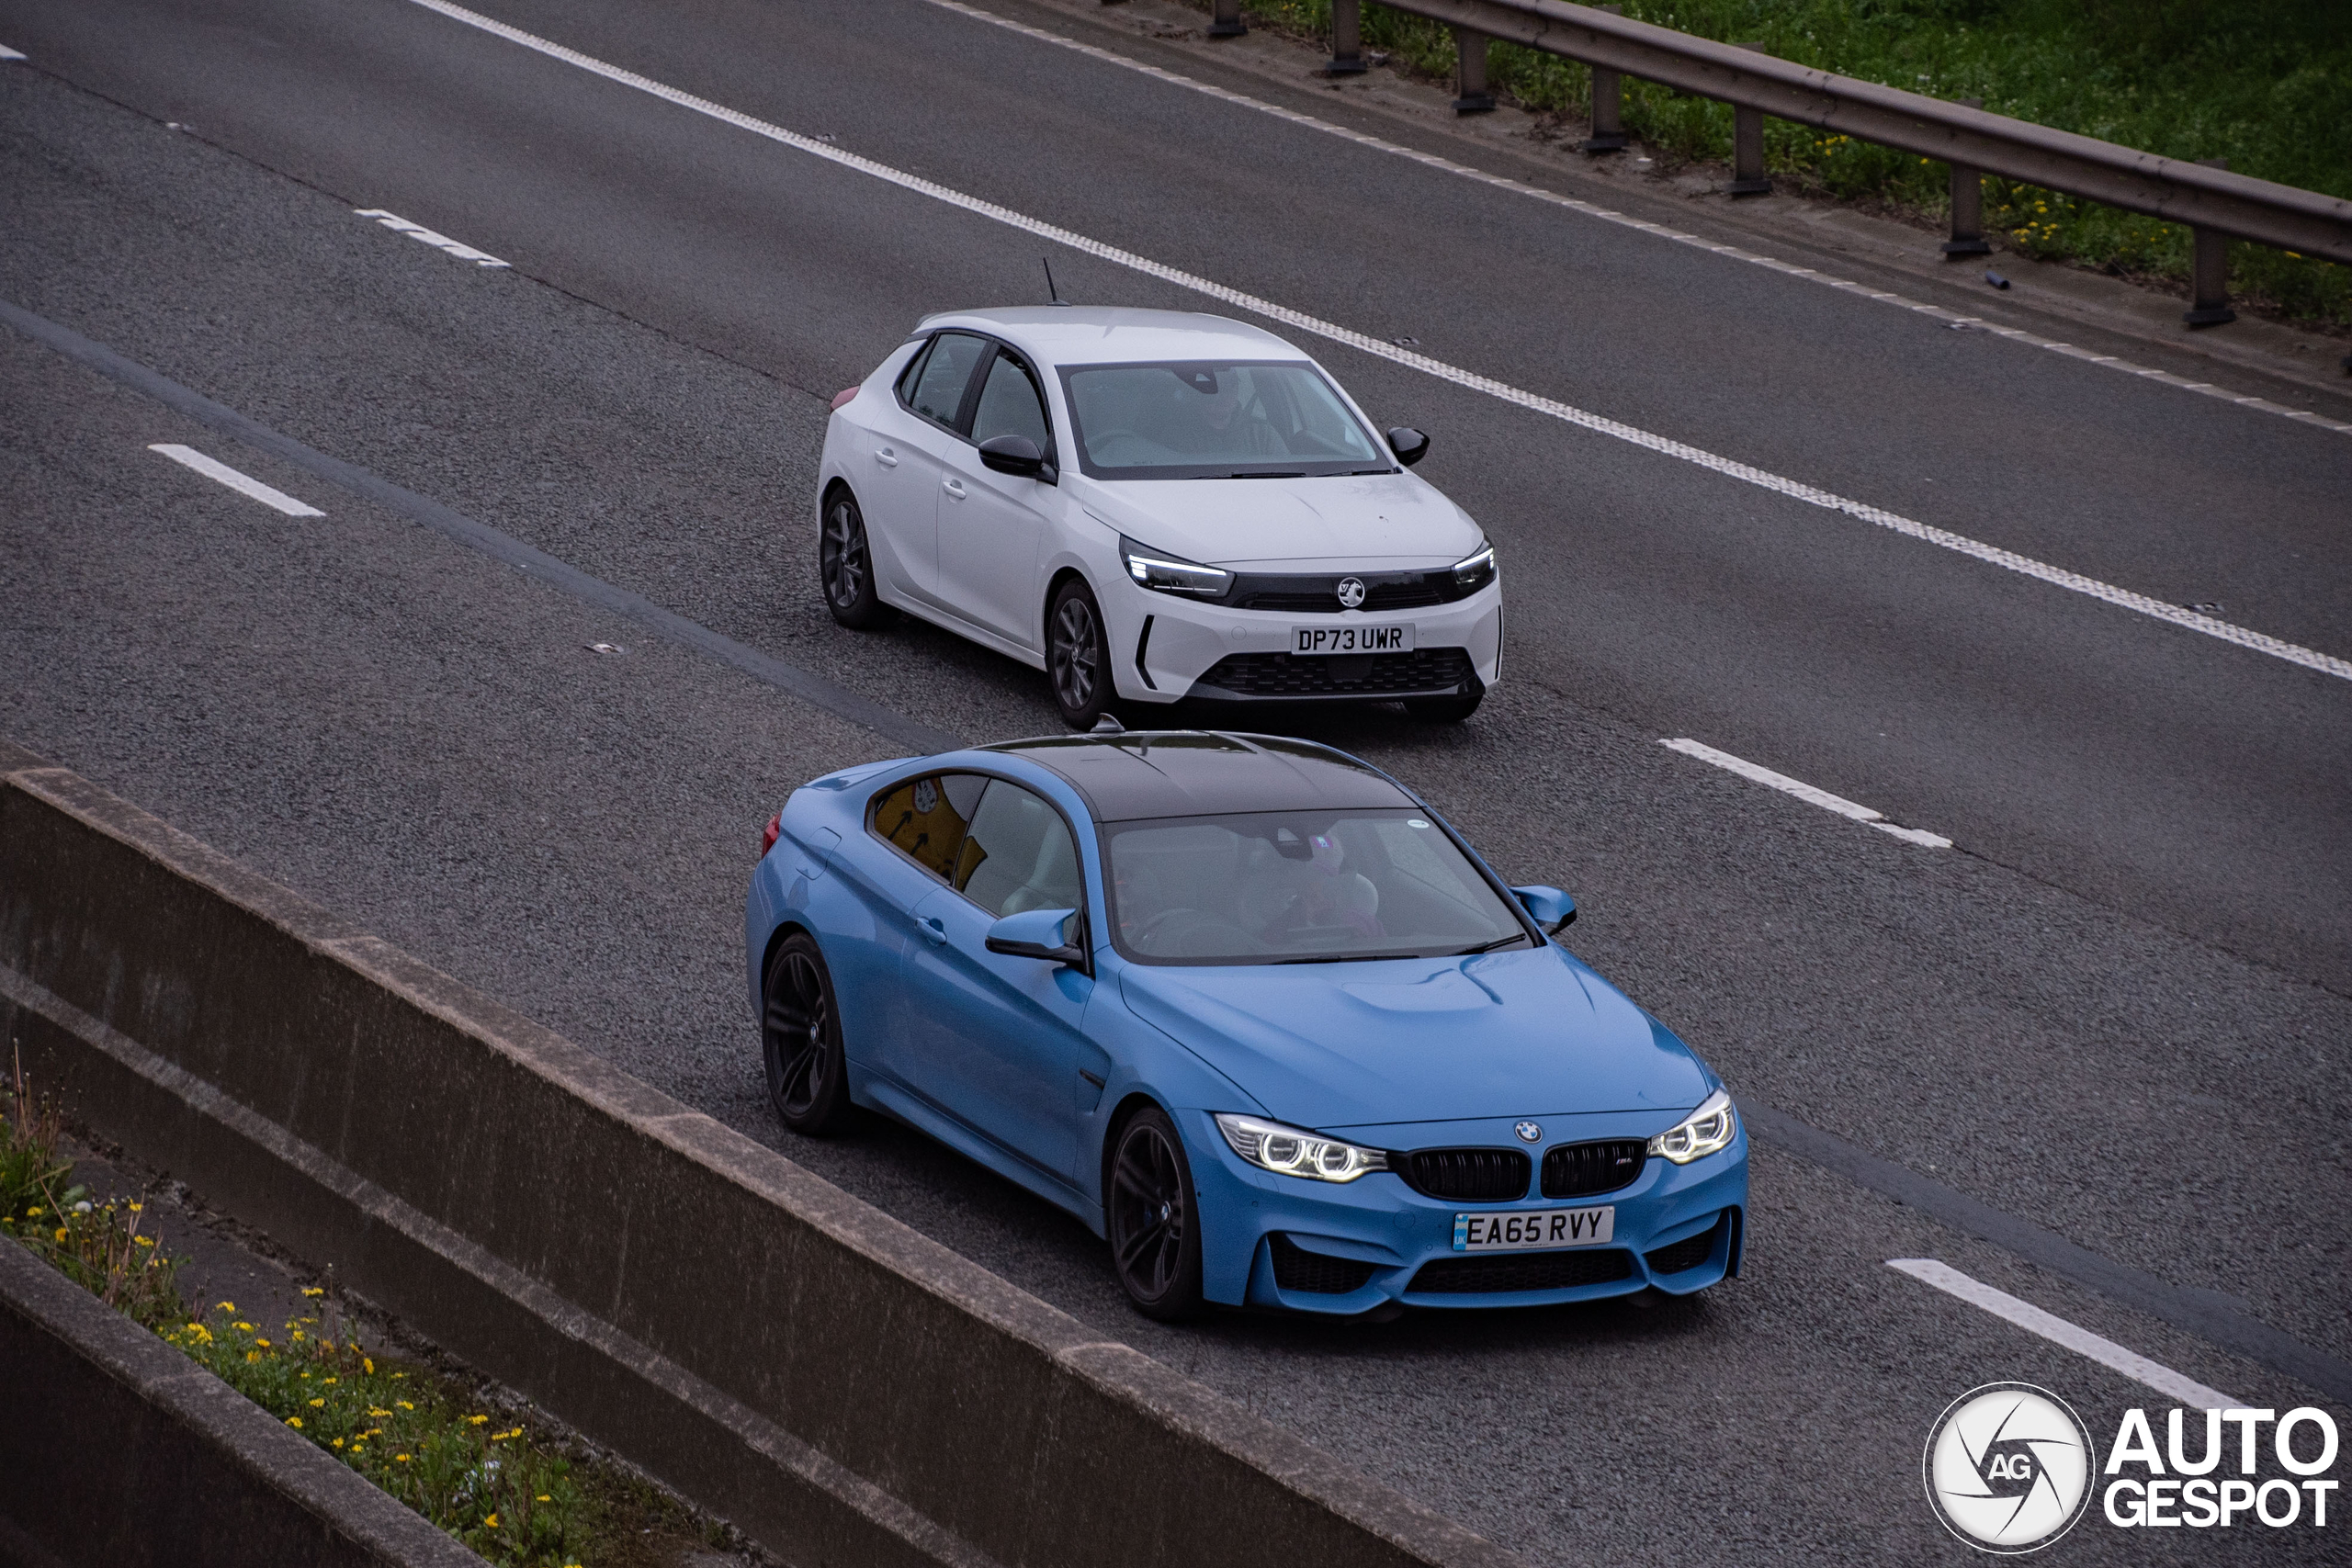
[[2212, 202]]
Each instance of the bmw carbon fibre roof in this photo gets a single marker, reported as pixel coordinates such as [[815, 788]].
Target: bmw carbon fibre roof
[[1193, 772]]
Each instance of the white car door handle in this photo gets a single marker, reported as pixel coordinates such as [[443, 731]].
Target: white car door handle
[[885, 456], [954, 487]]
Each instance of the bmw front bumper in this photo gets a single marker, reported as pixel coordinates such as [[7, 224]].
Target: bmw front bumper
[[1343, 1250]]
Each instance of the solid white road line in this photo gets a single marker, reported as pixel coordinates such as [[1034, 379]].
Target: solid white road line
[[2140, 604], [419, 231], [1661, 230], [7, 54], [2058, 1331], [244, 483], [1806, 792]]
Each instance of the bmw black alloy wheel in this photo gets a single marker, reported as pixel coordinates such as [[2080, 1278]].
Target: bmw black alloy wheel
[[801, 1038], [845, 566], [1154, 1226]]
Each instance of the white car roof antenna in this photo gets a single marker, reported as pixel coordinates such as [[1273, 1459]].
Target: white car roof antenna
[[1052, 292]]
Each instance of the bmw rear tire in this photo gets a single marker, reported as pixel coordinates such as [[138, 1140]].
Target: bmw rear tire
[[846, 567], [800, 1037], [1153, 1218]]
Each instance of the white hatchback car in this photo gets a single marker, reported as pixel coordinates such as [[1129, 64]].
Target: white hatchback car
[[1152, 505]]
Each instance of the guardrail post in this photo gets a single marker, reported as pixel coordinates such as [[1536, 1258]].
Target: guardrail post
[[1347, 40], [1224, 19], [1967, 204], [1608, 104], [1748, 176], [2208, 272], [1470, 93]]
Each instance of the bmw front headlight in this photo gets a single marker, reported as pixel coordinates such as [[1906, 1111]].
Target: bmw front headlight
[[1164, 574], [1472, 572], [1287, 1151], [1703, 1132]]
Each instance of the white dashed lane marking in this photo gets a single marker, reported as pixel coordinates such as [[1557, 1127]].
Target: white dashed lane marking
[[1806, 793], [1660, 231], [1381, 348], [7, 54], [244, 484], [2058, 1331], [400, 225]]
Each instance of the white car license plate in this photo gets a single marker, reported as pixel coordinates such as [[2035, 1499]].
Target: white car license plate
[[1532, 1228], [1355, 638]]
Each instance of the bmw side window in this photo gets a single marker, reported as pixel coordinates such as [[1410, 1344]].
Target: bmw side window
[[946, 371], [1009, 405], [926, 819], [1019, 855]]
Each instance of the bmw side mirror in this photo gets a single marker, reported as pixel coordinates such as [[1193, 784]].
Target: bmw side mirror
[[1013, 454], [1409, 445], [1552, 908], [1037, 934]]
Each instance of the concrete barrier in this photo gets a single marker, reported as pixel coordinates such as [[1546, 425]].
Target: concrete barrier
[[118, 1451], [840, 1387]]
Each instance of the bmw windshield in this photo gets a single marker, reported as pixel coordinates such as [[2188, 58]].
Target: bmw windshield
[[1205, 421], [1300, 886]]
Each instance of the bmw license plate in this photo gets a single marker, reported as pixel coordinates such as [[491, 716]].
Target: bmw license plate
[[1532, 1228], [1356, 638]]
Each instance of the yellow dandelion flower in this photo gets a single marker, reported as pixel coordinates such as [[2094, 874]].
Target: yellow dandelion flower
[[400, 1458], [226, 1306], [338, 1442], [295, 1422], [263, 1343], [369, 1365], [61, 1232], [136, 1207], [253, 1355], [33, 1213], [403, 1403], [542, 1497], [313, 1291], [247, 1327], [476, 1420], [492, 1521], [327, 1380], [143, 1241], [316, 1403]]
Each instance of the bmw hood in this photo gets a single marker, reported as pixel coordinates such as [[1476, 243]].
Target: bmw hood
[[1369, 522], [1323, 1045]]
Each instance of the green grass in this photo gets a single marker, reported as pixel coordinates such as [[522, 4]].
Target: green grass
[[517, 1499], [2266, 83]]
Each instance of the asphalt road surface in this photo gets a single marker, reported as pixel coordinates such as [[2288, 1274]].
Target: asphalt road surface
[[2116, 1009]]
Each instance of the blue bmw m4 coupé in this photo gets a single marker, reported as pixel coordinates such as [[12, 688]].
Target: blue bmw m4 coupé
[[1251, 1010]]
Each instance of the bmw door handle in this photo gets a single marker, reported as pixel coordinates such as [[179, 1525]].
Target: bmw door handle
[[885, 456], [954, 487], [935, 930]]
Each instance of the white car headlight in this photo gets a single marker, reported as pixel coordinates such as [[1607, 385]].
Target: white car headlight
[[1170, 574], [1287, 1151], [1703, 1132], [1475, 571]]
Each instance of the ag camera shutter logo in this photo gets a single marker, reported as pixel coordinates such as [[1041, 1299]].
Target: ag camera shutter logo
[[2009, 1468]]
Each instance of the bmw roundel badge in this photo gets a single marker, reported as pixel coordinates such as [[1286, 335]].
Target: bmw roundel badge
[[1529, 1132], [1350, 592]]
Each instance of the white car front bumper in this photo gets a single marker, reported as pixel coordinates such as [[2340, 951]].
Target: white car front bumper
[[1165, 648]]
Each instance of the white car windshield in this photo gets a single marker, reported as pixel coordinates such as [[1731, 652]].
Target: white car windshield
[[1202, 420], [1300, 886]]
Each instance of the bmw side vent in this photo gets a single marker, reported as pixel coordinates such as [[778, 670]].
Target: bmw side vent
[[1684, 1255], [1295, 1268], [1467, 1176], [1579, 1170], [1502, 1271]]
